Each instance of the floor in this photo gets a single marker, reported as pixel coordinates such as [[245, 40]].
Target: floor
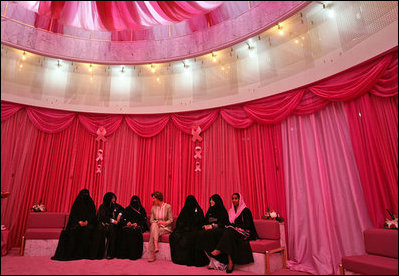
[[43, 265]]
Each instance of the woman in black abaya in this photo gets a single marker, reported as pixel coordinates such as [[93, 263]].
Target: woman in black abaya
[[235, 240], [109, 227], [134, 220], [184, 237], [216, 219], [76, 240]]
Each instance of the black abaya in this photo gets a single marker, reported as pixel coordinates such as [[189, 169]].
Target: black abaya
[[184, 237], [218, 217], [131, 242], [76, 240], [105, 241], [234, 243]]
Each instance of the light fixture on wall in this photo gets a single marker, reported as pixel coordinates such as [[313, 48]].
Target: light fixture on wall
[[249, 46], [280, 29], [24, 55], [153, 68], [214, 57], [90, 68]]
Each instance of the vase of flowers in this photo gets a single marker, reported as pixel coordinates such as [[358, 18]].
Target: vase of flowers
[[272, 215], [38, 207], [391, 222]]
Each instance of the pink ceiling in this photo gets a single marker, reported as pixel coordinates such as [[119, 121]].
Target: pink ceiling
[[118, 15], [227, 24]]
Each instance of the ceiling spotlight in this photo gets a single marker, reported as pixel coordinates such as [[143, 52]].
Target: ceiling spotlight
[[90, 68], [24, 55], [152, 68]]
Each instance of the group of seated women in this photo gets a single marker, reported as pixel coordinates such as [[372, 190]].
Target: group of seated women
[[219, 239]]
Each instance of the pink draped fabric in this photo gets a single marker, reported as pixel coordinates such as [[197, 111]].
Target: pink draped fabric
[[9, 109], [119, 15], [373, 124], [92, 122], [325, 202], [344, 87], [147, 125], [186, 121], [48, 120], [53, 167]]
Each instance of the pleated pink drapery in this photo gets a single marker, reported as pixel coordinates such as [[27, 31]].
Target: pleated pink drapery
[[326, 208], [373, 125]]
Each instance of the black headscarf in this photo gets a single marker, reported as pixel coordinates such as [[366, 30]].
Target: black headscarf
[[191, 217], [109, 210], [135, 202], [107, 199], [135, 213], [83, 209], [217, 211]]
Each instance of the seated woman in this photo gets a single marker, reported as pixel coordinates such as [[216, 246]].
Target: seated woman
[[108, 216], [214, 225], [75, 240], [184, 237], [134, 221], [235, 239], [160, 221]]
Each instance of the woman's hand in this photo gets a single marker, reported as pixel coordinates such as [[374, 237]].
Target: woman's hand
[[83, 223], [208, 227]]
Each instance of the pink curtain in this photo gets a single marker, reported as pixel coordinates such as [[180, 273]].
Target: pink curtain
[[53, 167], [325, 202], [373, 124]]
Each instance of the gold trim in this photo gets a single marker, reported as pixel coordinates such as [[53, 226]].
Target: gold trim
[[51, 24], [22, 249], [341, 270], [5, 9]]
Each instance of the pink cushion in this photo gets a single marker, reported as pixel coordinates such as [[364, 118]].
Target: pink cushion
[[371, 264], [46, 220], [42, 233], [383, 242], [267, 229], [146, 236], [261, 246], [163, 238]]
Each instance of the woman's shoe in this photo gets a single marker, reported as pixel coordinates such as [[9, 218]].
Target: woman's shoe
[[229, 270], [152, 258]]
